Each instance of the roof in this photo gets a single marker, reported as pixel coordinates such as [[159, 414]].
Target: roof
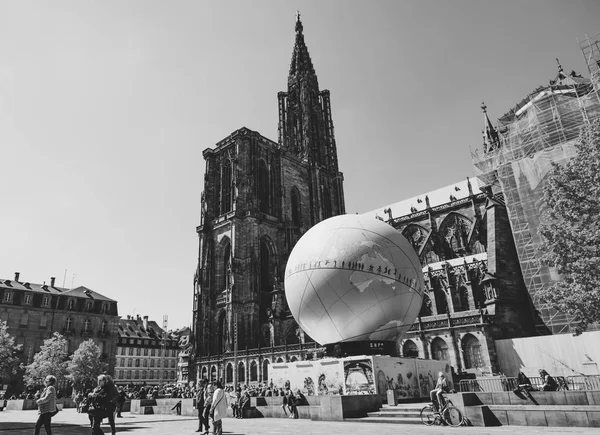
[[79, 292], [84, 292], [134, 328], [458, 190]]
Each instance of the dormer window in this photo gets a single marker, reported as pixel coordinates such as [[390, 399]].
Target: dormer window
[[104, 308], [89, 305], [71, 305]]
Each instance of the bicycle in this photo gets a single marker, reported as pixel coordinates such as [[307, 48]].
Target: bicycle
[[449, 414]]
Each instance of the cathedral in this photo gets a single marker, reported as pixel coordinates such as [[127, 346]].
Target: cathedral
[[259, 197]]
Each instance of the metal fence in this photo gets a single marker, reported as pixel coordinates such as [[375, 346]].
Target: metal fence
[[501, 383]]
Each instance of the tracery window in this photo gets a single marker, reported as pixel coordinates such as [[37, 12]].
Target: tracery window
[[265, 370], [226, 187], [253, 371], [263, 187], [229, 373], [471, 351], [241, 372], [439, 349], [410, 349]]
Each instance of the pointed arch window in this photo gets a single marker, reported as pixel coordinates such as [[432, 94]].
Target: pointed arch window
[[296, 208], [241, 372], [227, 267], [410, 349], [229, 374], [264, 191], [266, 280], [253, 371], [439, 349], [265, 370], [471, 351], [226, 187], [326, 203]]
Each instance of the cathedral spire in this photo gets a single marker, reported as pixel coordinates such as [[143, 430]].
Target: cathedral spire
[[301, 62], [491, 140]]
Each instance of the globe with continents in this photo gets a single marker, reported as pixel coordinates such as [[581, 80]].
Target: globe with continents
[[353, 278]]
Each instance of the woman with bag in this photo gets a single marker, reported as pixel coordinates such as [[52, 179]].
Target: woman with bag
[[218, 409], [46, 406], [101, 406]]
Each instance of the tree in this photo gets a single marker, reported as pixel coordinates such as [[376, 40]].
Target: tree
[[571, 231], [50, 360], [10, 365], [85, 366]]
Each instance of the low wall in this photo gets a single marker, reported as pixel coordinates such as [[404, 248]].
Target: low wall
[[30, 404], [328, 408]]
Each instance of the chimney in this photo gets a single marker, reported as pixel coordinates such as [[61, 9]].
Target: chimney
[[146, 323], [138, 317], [17, 276], [52, 279]]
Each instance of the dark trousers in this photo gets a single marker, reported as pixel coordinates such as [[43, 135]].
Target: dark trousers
[[205, 417], [96, 422], [43, 420], [119, 409]]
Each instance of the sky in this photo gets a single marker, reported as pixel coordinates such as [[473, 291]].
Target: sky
[[106, 107]]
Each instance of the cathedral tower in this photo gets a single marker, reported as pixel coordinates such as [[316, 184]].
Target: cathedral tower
[[259, 197]]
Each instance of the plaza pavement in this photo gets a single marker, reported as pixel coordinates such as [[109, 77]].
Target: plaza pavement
[[69, 422]]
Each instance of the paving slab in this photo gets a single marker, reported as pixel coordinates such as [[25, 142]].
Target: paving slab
[[69, 422]]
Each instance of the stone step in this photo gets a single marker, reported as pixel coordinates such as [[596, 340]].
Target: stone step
[[147, 410], [401, 414], [392, 420]]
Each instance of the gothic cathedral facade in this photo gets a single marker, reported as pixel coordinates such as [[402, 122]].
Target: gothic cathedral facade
[[259, 197]]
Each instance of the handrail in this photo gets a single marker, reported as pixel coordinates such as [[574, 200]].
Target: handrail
[[502, 383]]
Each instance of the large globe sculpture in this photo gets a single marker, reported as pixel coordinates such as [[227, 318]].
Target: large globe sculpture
[[354, 278]]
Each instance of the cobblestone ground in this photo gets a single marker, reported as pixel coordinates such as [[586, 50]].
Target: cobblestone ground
[[68, 422]]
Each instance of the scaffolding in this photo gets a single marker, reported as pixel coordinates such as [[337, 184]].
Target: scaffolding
[[590, 49], [541, 130]]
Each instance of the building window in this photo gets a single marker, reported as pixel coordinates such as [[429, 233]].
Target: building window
[[241, 372], [24, 319], [439, 349], [146, 352], [104, 308], [129, 362], [86, 325], [326, 203], [265, 367], [226, 187], [104, 326], [43, 321], [68, 324], [136, 375], [71, 305], [138, 351], [128, 374], [45, 301], [122, 362], [8, 296], [172, 374], [144, 374], [253, 371], [123, 351], [120, 374], [151, 374], [410, 349], [152, 352], [89, 305], [27, 299], [471, 351], [131, 351], [151, 363], [145, 363], [159, 352], [137, 362], [229, 373], [173, 364], [263, 188], [296, 208]]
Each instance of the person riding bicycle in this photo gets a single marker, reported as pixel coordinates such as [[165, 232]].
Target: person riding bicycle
[[441, 387]]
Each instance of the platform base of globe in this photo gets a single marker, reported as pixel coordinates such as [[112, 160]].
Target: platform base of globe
[[363, 347]]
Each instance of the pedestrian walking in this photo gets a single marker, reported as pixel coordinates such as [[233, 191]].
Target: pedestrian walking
[[218, 409], [101, 406], [200, 405], [208, 396], [46, 406]]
